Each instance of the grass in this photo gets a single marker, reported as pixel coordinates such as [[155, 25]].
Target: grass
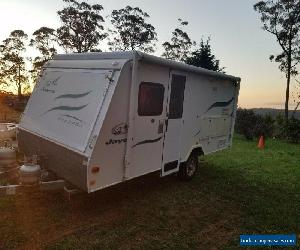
[[242, 190]]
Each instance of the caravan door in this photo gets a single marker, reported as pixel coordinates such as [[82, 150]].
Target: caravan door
[[174, 124], [149, 121]]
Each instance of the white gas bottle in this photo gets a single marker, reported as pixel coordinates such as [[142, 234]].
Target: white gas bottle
[[30, 174]]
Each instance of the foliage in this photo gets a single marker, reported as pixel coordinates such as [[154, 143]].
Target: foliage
[[131, 31], [282, 19], [245, 122], [264, 126], [179, 48], [296, 97], [203, 57], [13, 68], [253, 125], [44, 40], [290, 130], [81, 29]]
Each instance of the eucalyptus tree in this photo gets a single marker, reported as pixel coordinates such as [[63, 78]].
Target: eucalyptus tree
[[13, 71], [281, 18], [45, 41], [131, 30], [180, 45], [81, 27]]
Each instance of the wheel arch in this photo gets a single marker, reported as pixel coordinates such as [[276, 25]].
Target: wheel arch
[[197, 149]]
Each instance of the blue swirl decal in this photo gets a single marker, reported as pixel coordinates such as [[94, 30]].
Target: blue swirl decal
[[73, 117], [220, 104], [147, 141], [66, 108], [73, 96]]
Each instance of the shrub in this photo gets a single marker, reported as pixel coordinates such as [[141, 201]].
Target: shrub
[[245, 122], [264, 126], [252, 125], [290, 130]]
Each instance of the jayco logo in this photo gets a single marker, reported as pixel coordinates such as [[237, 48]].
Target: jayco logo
[[120, 129], [111, 141]]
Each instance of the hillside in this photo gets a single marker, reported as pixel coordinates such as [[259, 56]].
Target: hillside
[[274, 112]]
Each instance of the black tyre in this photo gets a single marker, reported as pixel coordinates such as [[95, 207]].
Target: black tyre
[[189, 168]]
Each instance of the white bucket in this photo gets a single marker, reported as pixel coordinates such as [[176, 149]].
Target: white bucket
[[7, 131]]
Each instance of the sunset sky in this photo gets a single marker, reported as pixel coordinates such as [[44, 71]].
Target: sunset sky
[[235, 29]]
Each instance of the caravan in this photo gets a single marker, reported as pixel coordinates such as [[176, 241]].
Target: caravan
[[97, 119]]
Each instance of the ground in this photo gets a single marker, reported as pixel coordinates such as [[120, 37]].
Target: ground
[[7, 114], [242, 190]]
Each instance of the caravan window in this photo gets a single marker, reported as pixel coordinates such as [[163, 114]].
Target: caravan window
[[151, 98]]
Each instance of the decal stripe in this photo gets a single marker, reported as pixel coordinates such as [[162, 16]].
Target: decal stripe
[[74, 117], [66, 108], [147, 141], [220, 104], [73, 96]]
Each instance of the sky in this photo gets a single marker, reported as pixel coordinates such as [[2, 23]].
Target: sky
[[237, 39]]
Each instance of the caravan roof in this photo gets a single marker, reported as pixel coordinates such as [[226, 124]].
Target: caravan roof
[[129, 55]]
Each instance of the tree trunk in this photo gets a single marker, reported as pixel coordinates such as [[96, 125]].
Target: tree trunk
[[288, 81], [19, 84], [287, 96]]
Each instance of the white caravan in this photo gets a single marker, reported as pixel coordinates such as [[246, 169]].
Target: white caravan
[[97, 119]]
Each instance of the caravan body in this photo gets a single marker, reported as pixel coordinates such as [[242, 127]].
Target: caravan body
[[98, 119]]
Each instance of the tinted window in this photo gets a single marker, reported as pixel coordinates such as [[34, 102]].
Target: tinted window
[[176, 96], [151, 98]]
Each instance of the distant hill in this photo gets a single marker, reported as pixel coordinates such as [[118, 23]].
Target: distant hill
[[274, 112]]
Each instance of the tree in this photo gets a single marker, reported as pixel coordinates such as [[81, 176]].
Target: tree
[[282, 19], [131, 31], [179, 48], [203, 57], [81, 29], [13, 68], [45, 41]]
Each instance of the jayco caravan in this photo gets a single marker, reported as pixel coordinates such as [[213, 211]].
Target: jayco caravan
[[97, 119]]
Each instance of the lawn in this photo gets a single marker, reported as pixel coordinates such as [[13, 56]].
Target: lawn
[[237, 191]]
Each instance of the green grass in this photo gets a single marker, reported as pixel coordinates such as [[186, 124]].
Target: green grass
[[265, 184], [242, 190]]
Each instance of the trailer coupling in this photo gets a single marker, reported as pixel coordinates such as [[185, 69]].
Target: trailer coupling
[[30, 178]]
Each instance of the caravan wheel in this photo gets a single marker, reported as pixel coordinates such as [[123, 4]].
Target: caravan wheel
[[189, 168]]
